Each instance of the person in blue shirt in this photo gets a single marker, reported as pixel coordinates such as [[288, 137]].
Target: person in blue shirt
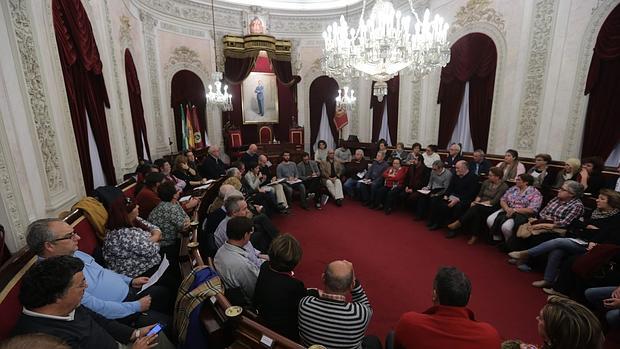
[[112, 295], [260, 97]]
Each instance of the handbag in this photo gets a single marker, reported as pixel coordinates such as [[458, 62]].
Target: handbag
[[598, 257]]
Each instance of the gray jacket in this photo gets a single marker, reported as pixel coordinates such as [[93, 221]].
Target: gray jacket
[[301, 169]]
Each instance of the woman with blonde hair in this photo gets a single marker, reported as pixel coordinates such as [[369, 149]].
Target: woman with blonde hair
[[569, 172]]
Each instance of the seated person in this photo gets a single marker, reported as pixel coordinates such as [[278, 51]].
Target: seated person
[[233, 259], [51, 293], [147, 198], [131, 245], [212, 167], [483, 205], [250, 156], [236, 206], [166, 170], [394, 182], [269, 176], [430, 156], [191, 161], [352, 170], [456, 199], [400, 152], [278, 292], [288, 170], [517, 204], [479, 165], [591, 175], [253, 184], [185, 173], [206, 237], [342, 154], [539, 171], [417, 178], [454, 156], [449, 323], [416, 152], [233, 177], [109, 294], [310, 173], [320, 154], [327, 319], [607, 299], [570, 171], [438, 183], [600, 227], [331, 170], [382, 148], [511, 166], [372, 179]]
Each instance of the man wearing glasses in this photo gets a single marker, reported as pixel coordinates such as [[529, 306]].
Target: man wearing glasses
[[112, 295]]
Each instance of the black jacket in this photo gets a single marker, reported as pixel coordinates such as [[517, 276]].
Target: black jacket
[[212, 168]]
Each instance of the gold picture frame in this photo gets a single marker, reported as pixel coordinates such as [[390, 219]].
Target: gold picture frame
[[250, 99]]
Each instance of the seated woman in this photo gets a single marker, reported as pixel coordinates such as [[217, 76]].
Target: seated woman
[[382, 147], [146, 196], [416, 152], [484, 205], [131, 246], [511, 166], [542, 179], [254, 180], [278, 292], [417, 177], [570, 171], [438, 183], [517, 204], [394, 180], [166, 169], [430, 156], [600, 227], [591, 176], [400, 152], [320, 154], [184, 172]]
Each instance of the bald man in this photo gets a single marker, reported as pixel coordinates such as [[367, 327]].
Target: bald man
[[457, 198], [250, 156], [327, 319]]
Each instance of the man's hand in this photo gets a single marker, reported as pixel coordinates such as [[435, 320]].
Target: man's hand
[[590, 226], [258, 208], [452, 202], [612, 303], [145, 304], [408, 190], [616, 293], [139, 281], [145, 342], [591, 246], [263, 257]]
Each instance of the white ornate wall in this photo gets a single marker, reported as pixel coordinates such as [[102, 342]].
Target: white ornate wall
[[544, 49]]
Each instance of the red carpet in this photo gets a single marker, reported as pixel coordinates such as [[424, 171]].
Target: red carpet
[[396, 259]]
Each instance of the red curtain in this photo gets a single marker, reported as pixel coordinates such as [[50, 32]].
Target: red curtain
[[187, 88], [392, 110], [238, 69], [473, 58], [135, 104], [323, 90], [86, 92], [602, 128]]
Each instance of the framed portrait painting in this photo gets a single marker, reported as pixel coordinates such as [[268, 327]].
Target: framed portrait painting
[[259, 99]]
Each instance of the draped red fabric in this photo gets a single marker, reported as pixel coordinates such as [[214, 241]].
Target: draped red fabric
[[473, 58], [135, 104], [392, 110], [187, 88], [85, 86], [602, 127], [323, 90]]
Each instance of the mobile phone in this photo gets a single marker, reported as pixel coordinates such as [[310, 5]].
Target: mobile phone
[[156, 329]]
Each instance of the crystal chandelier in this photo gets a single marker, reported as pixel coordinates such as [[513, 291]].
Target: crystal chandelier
[[216, 97], [383, 45], [346, 100]]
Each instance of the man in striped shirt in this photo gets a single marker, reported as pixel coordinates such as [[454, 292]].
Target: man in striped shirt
[[327, 319]]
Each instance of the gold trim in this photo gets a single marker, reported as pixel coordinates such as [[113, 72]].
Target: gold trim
[[77, 221], [5, 291], [129, 186], [250, 45]]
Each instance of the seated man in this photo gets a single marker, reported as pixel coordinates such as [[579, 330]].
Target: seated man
[[449, 323], [372, 179], [51, 293], [109, 294], [212, 167], [417, 177], [310, 174], [454, 156], [394, 179], [479, 165], [331, 170], [232, 260], [327, 319], [250, 156], [206, 237], [342, 154], [288, 170], [354, 171]]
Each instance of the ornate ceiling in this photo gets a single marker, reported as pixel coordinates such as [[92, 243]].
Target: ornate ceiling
[[296, 5]]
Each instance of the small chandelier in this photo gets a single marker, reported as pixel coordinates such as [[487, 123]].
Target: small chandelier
[[346, 100], [383, 45], [218, 98]]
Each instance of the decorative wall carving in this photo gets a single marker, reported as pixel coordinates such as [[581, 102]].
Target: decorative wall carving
[[532, 97], [579, 102], [416, 100], [37, 97], [184, 55], [478, 11], [125, 31], [182, 30], [196, 12]]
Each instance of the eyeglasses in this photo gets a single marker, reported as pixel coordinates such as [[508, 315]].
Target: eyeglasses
[[69, 236]]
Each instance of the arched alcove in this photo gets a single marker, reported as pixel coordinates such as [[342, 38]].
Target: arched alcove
[[187, 88], [323, 90]]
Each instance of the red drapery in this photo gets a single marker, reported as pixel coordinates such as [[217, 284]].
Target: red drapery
[[602, 127], [86, 92], [187, 88], [322, 90], [473, 58], [392, 110], [135, 104], [238, 69]]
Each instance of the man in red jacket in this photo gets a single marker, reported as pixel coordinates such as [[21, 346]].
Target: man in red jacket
[[448, 324]]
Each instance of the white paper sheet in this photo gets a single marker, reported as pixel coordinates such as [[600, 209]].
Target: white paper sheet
[[155, 277]]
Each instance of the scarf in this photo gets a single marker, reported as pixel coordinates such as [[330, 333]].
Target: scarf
[[599, 214]]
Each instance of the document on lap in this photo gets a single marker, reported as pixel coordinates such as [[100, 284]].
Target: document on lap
[[294, 181], [277, 181], [483, 204], [361, 174], [424, 191], [366, 181], [185, 198], [155, 277]]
